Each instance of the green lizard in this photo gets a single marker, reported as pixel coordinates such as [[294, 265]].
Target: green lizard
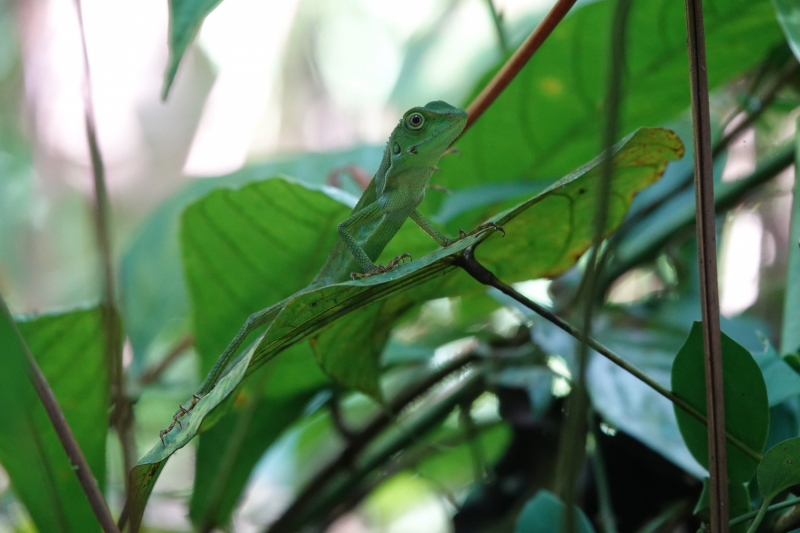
[[415, 146]]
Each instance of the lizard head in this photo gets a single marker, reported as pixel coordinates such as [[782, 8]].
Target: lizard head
[[424, 133]]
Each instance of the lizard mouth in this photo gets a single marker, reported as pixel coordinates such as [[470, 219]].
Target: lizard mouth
[[413, 149]]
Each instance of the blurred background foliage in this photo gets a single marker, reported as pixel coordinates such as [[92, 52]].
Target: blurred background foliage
[[306, 88]]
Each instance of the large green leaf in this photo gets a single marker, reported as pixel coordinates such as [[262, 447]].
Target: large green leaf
[[244, 249], [789, 17], [552, 114], [185, 18], [155, 301], [248, 248], [639, 160], [544, 513], [70, 349], [746, 404]]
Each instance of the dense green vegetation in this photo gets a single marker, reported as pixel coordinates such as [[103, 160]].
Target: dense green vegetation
[[421, 398]]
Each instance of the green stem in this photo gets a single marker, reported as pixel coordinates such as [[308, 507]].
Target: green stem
[[777, 507], [759, 516]]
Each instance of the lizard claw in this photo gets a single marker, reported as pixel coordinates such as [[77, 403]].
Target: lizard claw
[[438, 188], [480, 229], [452, 150], [400, 259], [176, 417]]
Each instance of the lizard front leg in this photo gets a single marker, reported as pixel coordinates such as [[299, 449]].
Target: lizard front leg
[[367, 214], [443, 240]]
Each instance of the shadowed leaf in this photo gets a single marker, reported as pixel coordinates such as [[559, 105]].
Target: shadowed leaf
[[746, 404]]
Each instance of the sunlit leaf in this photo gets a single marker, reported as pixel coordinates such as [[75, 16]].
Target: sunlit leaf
[[70, 349], [155, 301]]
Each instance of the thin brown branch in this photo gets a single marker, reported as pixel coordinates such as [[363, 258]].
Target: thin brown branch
[[152, 374], [289, 518], [65, 435], [122, 407], [408, 460], [707, 259], [517, 61], [481, 274]]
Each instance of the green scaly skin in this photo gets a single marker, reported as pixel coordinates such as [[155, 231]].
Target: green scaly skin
[[409, 160]]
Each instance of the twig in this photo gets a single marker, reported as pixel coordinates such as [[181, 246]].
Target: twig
[[122, 414], [573, 437], [765, 101], [707, 262], [408, 460], [481, 274], [289, 518], [516, 62], [64, 432], [152, 374], [466, 391]]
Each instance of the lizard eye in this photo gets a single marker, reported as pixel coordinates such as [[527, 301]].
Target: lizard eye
[[396, 148], [415, 121]]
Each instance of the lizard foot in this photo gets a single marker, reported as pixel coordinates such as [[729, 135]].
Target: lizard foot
[[383, 268], [438, 188], [480, 229], [176, 418]]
